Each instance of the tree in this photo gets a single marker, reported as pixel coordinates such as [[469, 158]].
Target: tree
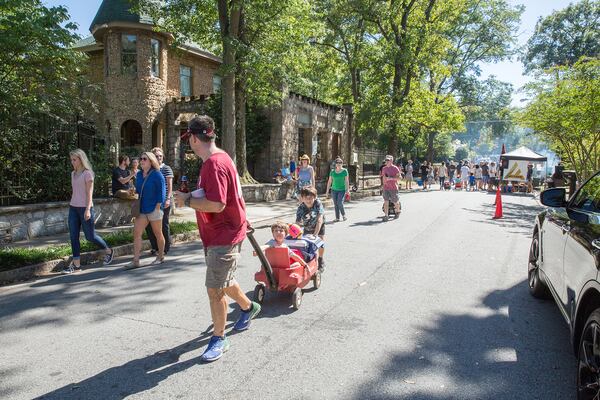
[[564, 37], [42, 85], [478, 32], [39, 72], [565, 111]]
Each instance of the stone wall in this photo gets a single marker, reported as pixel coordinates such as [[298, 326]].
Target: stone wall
[[267, 192], [43, 219]]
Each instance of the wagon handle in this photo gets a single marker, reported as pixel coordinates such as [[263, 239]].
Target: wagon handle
[[261, 256]]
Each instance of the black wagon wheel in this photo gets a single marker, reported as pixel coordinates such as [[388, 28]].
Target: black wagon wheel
[[588, 360], [317, 279], [259, 293], [297, 298], [537, 287]]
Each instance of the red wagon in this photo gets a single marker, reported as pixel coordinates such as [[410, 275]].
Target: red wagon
[[278, 274]]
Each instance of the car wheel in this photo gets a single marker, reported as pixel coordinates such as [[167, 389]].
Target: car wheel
[[588, 359], [537, 287]]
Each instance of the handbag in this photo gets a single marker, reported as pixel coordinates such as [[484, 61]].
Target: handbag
[[137, 203]]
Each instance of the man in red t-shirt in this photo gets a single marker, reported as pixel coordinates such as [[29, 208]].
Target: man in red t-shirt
[[390, 174], [221, 217]]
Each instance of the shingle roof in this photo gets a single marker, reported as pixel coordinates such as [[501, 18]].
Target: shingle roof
[[118, 10], [85, 42]]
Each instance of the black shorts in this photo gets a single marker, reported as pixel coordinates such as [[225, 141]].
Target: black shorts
[[311, 232]]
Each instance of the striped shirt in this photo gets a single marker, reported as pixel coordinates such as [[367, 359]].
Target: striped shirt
[[167, 173]]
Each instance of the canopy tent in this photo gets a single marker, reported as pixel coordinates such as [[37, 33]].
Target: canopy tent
[[523, 153]]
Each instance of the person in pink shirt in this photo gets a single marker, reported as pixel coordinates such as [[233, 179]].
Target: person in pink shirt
[[81, 210], [390, 174]]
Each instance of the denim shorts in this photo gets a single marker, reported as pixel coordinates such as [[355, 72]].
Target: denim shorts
[[155, 215]]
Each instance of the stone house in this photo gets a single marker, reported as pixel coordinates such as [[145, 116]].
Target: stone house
[[303, 125], [149, 90]]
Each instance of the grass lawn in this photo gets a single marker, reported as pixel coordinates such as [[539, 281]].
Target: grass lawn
[[11, 258]]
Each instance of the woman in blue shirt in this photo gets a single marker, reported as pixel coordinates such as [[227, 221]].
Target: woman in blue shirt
[[150, 186]]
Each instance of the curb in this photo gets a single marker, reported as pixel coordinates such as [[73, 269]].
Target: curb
[[53, 266]]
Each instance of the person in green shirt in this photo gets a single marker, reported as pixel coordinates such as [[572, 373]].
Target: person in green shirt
[[340, 188]]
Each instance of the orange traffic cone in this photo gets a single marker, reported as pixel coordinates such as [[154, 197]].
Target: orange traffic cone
[[498, 213]]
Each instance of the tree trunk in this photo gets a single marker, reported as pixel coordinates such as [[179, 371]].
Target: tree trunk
[[430, 152], [240, 130], [229, 19]]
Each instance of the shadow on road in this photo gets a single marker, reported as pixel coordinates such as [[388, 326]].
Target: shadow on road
[[519, 218], [104, 285], [532, 360], [137, 375]]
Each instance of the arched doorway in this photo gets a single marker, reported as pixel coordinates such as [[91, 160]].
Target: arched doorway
[[131, 133]]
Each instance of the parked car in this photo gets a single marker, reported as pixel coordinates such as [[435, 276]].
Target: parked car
[[564, 260]]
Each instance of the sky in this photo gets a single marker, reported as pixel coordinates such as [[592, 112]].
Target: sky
[[83, 12]]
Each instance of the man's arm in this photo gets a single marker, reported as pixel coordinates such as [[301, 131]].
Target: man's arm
[[204, 205]]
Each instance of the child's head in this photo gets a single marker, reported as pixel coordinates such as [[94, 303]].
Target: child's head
[[279, 230], [295, 231], [308, 195]]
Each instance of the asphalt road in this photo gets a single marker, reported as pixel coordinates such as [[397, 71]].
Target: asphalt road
[[433, 305]]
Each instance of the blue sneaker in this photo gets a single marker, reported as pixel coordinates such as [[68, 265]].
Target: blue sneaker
[[215, 349], [243, 322]]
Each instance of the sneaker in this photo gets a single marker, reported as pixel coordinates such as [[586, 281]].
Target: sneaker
[[108, 257], [70, 269], [153, 252], [215, 349], [397, 215], [385, 218], [344, 217], [336, 220], [245, 318]]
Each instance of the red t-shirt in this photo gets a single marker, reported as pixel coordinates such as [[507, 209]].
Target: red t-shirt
[[221, 183]]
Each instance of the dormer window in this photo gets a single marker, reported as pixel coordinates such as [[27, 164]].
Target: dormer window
[[155, 49], [129, 54]]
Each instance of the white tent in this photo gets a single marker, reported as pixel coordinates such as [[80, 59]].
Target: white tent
[[523, 153]]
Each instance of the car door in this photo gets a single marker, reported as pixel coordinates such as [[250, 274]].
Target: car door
[[553, 237], [582, 247]]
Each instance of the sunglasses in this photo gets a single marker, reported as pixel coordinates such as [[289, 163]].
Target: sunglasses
[[339, 162], [143, 158]]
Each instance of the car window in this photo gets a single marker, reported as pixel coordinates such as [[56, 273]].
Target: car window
[[588, 197]]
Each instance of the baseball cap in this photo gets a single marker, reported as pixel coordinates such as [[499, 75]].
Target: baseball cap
[[390, 158]]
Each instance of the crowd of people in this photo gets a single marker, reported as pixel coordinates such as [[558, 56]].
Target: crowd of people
[[451, 175]]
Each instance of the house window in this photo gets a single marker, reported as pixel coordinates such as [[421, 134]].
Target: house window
[[185, 80], [129, 54], [216, 83], [155, 47]]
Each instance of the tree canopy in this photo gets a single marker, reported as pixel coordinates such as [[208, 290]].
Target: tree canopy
[[565, 36]]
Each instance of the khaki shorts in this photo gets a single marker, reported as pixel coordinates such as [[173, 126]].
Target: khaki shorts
[[221, 263], [155, 215], [390, 195]]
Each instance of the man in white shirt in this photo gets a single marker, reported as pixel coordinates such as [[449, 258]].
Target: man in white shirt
[[464, 176]]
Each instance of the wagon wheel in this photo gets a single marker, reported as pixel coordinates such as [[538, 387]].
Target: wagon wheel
[[297, 298], [317, 279], [259, 293]]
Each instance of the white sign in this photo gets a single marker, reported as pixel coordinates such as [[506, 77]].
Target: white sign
[[516, 171]]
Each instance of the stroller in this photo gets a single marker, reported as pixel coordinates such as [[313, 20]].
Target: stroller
[[278, 274]]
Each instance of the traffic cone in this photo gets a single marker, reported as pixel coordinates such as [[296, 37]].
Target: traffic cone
[[498, 213]]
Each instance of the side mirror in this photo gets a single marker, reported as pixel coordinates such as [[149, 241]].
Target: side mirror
[[554, 197]]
